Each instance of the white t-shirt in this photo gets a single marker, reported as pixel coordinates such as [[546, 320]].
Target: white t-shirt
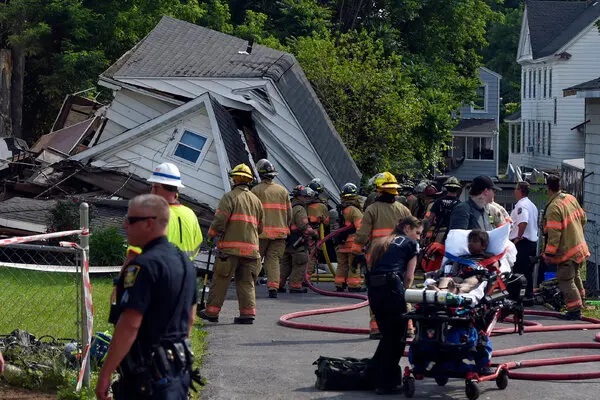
[[524, 211]]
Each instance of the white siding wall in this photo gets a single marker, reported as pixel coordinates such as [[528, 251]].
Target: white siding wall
[[591, 196], [584, 65], [202, 183], [281, 123]]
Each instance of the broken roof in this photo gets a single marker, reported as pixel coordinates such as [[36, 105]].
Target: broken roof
[[176, 48], [66, 140], [552, 24]]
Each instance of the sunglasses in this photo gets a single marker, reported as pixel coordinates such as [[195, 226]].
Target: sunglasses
[[133, 220]]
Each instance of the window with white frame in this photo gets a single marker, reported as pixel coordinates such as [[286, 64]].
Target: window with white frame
[[534, 82], [529, 85], [539, 81], [543, 138], [190, 146], [524, 88], [473, 148], [539, 138], [545, 82], [550, 83], [549, 138], [480, 102]]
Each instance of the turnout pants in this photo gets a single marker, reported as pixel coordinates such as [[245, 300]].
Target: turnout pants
[[245, 271], [388, 305], [566, 274], [344, 274], [523, 265], [272, 251], [293, 266]]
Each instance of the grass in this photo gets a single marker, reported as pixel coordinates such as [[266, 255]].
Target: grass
[[46, 304]]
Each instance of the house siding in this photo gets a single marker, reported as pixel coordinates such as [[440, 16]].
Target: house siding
[[472, 168], [583, 65], [280, 121], [492, 84], [203, 182], [592, 161]]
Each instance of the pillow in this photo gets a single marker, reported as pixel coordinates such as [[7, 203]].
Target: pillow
[[457, 242]]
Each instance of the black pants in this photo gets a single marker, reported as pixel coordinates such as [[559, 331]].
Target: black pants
[[388, 305], [173, 387], [525, 250]]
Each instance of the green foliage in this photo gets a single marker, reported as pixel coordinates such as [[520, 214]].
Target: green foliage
[[107, 247], [63, 217]]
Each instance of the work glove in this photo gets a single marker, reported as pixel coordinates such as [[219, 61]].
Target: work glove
[[358, 260], [210, 242]]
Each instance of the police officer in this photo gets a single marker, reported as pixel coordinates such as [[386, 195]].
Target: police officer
[[183, 230], [391, 271], [156, 300], [278, 216], [349, 216], [238, 221]]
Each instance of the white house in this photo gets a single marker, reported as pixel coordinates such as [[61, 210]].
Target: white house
[[559, 47], [207, 101], [475, 139]]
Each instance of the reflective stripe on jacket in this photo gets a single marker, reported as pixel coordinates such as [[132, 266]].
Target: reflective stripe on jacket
[[563, 226], [183, 231], [238, 220], [277, 209], [352, 217], [379, 220]]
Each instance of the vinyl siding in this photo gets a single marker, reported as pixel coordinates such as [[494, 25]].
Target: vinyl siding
[[492, 84], [583, 65], [472, 168], [592, 160]]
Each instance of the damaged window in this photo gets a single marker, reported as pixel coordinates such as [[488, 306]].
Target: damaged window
[[190, 146]]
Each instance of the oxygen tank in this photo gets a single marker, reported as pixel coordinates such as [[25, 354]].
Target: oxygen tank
[[426, 296]]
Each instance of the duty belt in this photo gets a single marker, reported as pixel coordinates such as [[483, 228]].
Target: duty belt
[[379, 280]]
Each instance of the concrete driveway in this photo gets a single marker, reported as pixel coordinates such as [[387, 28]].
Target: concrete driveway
[[268, 361]]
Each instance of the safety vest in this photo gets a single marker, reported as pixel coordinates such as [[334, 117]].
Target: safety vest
[[379, 220], [352, 216], [317, 214], [563, 227], [183, 231], [277, 208], [238, 221]]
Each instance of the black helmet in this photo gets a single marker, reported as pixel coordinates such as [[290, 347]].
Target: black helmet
[[266, 169], [301, 190], [349, 190], [407, 185], [315, 185]]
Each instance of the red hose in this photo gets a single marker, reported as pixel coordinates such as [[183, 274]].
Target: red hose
[[530, 327]]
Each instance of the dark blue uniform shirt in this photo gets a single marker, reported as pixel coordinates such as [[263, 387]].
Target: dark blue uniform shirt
[[400, 251], [152, 285]]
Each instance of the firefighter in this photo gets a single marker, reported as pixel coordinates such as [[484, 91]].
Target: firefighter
[[372, 186], [318, 214], [183, 230], [278, 216], [437, 218], [349, 215], [406, 197], [565, 245], [295, 256], [238, 221], [379, 220]]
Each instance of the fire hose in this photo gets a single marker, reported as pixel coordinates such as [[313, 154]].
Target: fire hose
[[509, 367]]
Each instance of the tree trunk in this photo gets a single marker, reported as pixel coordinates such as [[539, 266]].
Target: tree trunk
[[6, 67], [18, 76]]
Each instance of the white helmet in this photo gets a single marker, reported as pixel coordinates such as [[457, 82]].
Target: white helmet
[[166, 174]]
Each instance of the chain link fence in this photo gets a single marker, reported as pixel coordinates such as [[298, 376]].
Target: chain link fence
[[40, 290]]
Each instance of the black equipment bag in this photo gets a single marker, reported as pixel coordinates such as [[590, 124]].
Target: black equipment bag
[[345, 373]]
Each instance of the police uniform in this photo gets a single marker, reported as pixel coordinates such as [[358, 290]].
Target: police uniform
[[525, 211], [565, 244], [386, 298], [160, 283]]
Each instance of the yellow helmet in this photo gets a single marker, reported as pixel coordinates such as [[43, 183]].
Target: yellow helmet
[[242, 170], [387, 183]]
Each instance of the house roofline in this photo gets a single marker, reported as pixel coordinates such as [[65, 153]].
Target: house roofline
[[497, 75]]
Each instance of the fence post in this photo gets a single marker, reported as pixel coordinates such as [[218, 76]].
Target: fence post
[[84, 242]]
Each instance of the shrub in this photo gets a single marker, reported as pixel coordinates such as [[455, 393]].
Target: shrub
[[107, 247]]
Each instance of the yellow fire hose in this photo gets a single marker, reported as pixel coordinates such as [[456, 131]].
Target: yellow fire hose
[[324, 249]]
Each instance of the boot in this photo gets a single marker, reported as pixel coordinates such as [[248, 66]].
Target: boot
[[202, 314], [243, 320], [299, 290], [273, 293], [281, 290], [357, 289], [571, 315], [339, 289]]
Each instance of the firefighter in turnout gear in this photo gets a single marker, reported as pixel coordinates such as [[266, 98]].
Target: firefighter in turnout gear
[[318, 214], [295, 256], [372, 186], [238, 221], [437, 218], [278, 217], [406, 197], [349, 215], [565, 244], [379, 220]]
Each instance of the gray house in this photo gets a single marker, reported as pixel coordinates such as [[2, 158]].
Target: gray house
[[207, 101], [475, 139]]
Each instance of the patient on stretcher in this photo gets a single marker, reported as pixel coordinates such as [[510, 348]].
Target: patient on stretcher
[[465, 274]]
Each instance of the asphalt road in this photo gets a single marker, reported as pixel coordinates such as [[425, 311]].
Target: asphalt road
[[268, 361]]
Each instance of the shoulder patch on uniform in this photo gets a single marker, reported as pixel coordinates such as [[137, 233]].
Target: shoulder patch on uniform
[[131, 274], [520, 210]]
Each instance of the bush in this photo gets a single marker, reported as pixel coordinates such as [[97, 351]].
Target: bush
[[107, 247]]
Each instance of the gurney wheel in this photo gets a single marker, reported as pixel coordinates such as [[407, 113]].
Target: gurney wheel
[[408, 386], [502, 379], [471, 390], [441, 380]]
